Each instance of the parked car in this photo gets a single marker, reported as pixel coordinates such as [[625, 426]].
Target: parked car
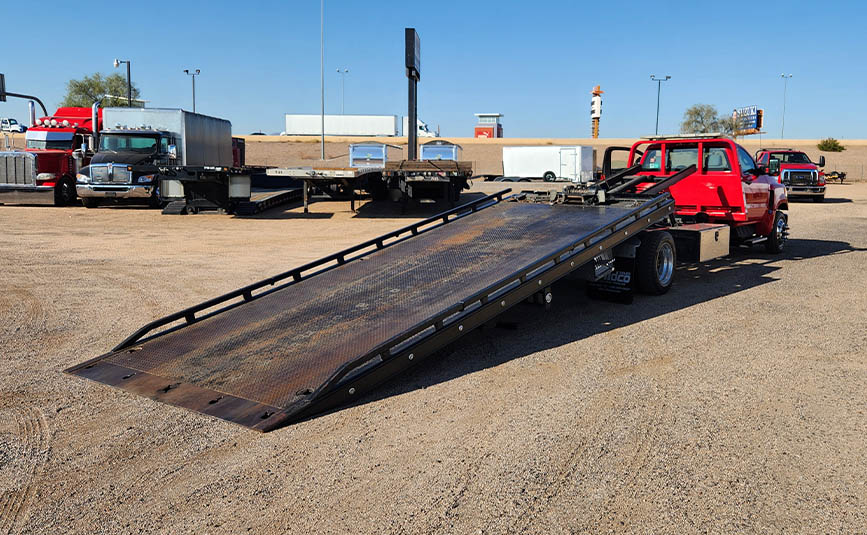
[[8, 124]]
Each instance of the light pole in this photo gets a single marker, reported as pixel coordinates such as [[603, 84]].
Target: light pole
[[343, 74], [117, 63], [785, 78], [658, 91], [322, 77], [193, 74]]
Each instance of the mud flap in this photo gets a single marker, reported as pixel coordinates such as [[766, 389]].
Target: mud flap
[[618, 285]]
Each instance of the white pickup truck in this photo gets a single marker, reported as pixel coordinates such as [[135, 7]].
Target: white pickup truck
[[11, 125]]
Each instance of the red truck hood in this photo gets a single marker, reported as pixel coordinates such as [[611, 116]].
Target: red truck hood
[[798, 166]]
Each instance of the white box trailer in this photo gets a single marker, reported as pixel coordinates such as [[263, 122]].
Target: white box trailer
[[575, 163], [342, 125], [200, 139]]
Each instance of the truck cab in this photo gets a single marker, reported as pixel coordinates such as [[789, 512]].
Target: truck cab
[[801, 176], [728, 187], [126, 166], [57, 146], [11, 125]]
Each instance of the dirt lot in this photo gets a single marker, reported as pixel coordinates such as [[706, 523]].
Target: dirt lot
[[733, 404]]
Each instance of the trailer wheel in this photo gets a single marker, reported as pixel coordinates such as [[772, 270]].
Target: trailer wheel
[[64, 192], [654, 266], [777, 238], [549, 176], [90, 202]]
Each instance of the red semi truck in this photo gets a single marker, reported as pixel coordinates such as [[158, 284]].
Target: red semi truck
[[797, 172], [57, 146]]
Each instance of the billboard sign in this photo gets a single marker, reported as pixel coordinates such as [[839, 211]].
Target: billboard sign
[[746, 119]]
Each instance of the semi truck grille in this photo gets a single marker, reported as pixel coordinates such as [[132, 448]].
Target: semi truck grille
[[802, 178], [115, 175], [18, 168]]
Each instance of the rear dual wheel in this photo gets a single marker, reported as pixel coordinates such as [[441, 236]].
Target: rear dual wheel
[[654, 264]]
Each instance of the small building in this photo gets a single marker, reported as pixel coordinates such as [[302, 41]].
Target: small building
[[489, 125]]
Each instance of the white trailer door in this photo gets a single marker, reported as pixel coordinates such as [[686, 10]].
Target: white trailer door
[[569, 163]]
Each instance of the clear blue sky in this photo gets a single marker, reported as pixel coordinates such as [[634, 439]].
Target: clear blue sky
[[535, 62]]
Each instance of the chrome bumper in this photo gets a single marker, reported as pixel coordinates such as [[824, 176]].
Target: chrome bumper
[[114, 191], [26, 194], [805, 191]]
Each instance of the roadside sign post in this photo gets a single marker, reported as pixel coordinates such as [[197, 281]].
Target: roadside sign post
[[413, 62], [4, 94]]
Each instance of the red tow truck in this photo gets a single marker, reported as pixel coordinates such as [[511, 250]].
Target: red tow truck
[[57, 146], [797, 172], [721, 198]]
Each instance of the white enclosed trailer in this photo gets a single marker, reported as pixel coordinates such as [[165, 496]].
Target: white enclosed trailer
[[550, 162], [342, 125]]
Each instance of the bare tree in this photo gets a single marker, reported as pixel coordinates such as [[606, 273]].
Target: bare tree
[[702, 118]]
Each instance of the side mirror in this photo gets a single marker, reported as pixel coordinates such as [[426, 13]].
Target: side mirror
[[821, 161], [173, 152], [774, 166]]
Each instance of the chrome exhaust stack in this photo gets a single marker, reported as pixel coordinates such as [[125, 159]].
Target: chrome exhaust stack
[[32, 107]]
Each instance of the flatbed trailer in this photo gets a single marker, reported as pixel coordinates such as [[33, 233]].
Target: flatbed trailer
[[336, 182], [420, 179], [316, 337], [190, 189]]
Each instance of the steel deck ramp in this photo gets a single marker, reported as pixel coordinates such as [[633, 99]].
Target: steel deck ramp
[[316, 337]]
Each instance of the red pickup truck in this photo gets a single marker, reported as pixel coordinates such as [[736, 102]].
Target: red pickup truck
[[725, 199], [797, 172]]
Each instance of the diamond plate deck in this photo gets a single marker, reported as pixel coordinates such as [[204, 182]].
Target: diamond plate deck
[[268, 355]]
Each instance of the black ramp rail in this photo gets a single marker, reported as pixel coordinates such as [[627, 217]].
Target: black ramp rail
[[315, 343]]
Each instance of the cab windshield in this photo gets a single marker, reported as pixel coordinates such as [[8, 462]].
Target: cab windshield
[[128, 142], [791, 157], [54, 144]]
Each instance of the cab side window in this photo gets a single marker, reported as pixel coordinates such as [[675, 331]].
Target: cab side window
[[651, 160], [716, 159], [164, 145], [764, 159], [745, 160]]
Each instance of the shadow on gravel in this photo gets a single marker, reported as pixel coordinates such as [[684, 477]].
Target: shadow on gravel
[[828, 200], [574, 316]]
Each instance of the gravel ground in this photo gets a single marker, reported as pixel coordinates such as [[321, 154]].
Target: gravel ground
[[733, 404]]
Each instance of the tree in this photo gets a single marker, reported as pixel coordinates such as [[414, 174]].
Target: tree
[[703, 118], [830, 145], [93, 88]]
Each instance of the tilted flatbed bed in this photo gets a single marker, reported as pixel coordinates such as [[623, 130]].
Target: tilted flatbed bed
[[316, 337]]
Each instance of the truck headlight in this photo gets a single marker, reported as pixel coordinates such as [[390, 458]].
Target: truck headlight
[[146, 179], [79, 177]]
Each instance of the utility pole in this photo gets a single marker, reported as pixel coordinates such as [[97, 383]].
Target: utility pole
[[322, 77], [785, 78], [117, 63], [193, 74], [658, 91]]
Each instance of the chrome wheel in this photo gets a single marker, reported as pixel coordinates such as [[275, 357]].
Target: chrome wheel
[[780, 231], [665, 263]]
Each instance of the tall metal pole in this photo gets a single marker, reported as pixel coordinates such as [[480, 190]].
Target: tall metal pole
[[128, 86], [658, 91], [785, 78], [322, 77]]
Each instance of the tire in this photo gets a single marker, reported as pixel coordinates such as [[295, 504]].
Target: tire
[[64, 192], [654, 265], [154, 201], [777, 238], [90, 202], [819, 199], [549, 176]]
